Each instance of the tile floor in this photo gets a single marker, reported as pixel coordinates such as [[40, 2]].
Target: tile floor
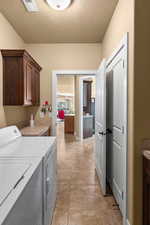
[[79, 200]]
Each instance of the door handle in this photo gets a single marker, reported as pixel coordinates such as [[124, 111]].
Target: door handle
[[108, 131], [101, 133]]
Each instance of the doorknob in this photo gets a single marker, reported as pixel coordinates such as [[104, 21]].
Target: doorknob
[[108, 131], [101, 133]]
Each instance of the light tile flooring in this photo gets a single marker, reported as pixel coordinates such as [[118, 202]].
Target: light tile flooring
[[79, 200]]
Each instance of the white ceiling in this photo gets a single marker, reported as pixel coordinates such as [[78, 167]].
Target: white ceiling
[[85, 21]]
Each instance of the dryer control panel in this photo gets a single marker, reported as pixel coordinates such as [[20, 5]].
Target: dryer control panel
[[8, 134]]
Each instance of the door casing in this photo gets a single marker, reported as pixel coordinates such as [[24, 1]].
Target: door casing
[[55, 73], [123, 46], [100, 126]]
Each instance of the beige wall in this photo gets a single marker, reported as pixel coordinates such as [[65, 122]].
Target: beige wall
[[141, 96], [63, 57], [9, 39], [65, 84], [121, 23]]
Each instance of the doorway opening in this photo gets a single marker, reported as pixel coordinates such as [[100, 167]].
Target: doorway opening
[[75, 105], [71, 102]]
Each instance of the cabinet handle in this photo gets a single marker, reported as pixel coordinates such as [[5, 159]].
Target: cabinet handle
[[101, 133]]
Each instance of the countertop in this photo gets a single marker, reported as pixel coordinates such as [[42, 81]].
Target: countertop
[[39, 129]]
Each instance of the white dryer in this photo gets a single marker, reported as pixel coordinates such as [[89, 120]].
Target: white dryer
[[21, 192]]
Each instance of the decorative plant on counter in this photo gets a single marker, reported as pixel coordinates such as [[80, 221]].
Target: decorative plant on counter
[[46, 108]]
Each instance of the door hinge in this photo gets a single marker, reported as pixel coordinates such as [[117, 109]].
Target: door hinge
[[122, 195], [122, 129], [123, 64]]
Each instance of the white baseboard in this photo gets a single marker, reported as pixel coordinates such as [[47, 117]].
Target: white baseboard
[[127, 222]]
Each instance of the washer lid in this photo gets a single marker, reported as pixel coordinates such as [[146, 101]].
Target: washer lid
[[10, 175], [27, 147]]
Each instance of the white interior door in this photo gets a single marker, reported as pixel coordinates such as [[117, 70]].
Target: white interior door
[[118, 129], [117, 67], [100, 126]]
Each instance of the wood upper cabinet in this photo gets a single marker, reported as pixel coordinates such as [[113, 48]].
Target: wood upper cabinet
[[21, 78]]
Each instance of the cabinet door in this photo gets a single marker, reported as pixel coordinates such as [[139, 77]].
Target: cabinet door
[[28, 83], [69, 124], [12, 81], [37, 84], [18, 67], [35, 87]]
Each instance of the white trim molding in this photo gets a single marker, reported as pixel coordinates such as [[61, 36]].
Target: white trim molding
[[123, 46], [54, 90]]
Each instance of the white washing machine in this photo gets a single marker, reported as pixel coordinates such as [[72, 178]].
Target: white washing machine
[[14, 146]]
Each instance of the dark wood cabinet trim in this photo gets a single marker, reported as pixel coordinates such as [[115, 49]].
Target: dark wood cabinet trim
[[20, 53]]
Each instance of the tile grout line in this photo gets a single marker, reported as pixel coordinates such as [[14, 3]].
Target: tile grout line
[[69, 204]]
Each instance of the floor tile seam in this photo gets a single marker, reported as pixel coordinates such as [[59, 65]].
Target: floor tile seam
[[68, 215]]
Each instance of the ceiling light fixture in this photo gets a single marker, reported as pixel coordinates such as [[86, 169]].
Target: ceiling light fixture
[[31, 5], [59, 4]]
